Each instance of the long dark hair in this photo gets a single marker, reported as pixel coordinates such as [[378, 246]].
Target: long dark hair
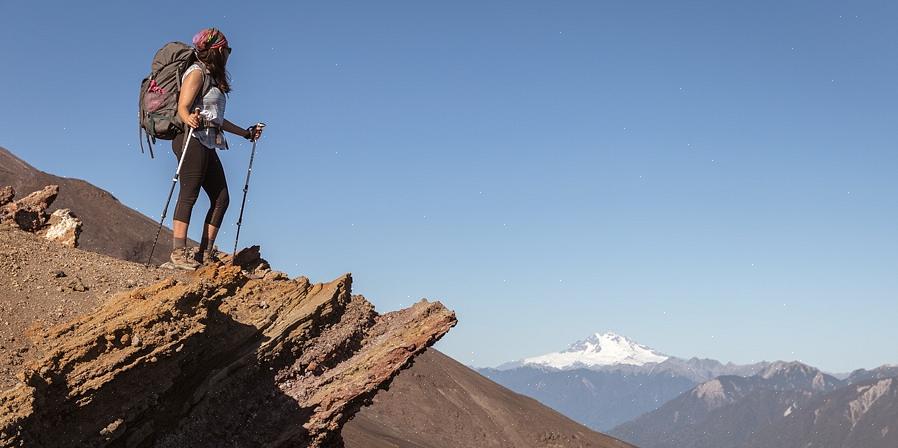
[[214, 59]]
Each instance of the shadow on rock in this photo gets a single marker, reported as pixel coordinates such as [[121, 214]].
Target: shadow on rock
[[218, 360]]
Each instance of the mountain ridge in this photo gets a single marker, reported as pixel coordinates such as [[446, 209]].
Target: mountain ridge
[[782, 406], [623, 352]]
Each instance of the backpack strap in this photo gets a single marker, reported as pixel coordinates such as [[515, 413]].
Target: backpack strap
[[207, 78], [208, 82], [149, 143], [140, 132]]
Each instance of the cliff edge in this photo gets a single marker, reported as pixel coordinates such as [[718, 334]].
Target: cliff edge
[[220, 357]]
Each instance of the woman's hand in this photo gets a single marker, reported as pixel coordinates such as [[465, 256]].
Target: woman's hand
[[254, 132], [193, 120]]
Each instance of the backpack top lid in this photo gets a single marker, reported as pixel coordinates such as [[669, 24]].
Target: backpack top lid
[[170, 53]]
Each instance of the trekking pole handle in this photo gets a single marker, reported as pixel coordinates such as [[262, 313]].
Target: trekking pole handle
[[251, 131]]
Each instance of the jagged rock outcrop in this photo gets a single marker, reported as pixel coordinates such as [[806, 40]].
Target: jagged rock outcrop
[[63, 227], [30, 214], [218, 359]]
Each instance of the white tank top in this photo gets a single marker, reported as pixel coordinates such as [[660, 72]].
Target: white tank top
[[212, 108]]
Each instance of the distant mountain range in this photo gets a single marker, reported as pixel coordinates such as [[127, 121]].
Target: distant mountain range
[[653, 400], [605, 352], [784, 406], [608, 379]]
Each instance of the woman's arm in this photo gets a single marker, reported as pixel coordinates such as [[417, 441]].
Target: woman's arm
[[251, 133], [189, 89], [234, 129]]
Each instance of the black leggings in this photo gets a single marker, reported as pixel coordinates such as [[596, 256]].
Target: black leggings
[[201, 168]]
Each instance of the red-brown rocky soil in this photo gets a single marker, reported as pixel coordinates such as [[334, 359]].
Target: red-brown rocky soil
[[222, 356], [43, 284]]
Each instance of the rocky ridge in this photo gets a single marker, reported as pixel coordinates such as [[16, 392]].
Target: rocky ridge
[[218, 357], [861, 415]]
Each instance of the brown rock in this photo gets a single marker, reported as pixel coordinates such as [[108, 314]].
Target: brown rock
[[77, 285], [28, 219], [275, 276], [41, 199], [29, 213], [6, 195], [248, 258]]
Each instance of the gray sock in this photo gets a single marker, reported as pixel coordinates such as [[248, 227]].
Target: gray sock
[[179, 243]]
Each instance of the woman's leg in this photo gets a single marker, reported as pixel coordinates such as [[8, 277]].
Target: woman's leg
[[179, 231], [216, 187], [192, 175]]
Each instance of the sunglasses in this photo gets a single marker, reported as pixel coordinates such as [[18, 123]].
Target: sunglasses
[[227, 50]]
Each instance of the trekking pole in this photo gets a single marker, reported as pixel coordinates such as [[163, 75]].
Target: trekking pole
[[174, 181], [249, 171]]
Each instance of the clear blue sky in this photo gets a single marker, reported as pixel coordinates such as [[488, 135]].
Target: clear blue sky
[[709, 178]]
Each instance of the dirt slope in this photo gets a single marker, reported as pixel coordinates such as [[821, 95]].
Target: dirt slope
[[43, 284], [440, 403], [128, 238]]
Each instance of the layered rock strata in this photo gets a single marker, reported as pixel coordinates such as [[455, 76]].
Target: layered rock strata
[[218, 359]]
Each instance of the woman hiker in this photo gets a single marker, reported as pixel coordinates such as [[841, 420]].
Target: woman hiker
[[204, 113]]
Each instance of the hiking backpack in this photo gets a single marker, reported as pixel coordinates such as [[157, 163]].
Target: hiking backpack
[[158, 104]]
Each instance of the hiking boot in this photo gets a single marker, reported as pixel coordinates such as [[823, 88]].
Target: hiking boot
[[208, 256], [211, 256], [195, 254], [183, 259]]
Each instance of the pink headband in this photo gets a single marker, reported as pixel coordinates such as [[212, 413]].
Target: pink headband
[[209, 38]]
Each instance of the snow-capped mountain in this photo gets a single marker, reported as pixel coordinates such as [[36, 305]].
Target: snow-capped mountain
[[599, 350], [607, 379]]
